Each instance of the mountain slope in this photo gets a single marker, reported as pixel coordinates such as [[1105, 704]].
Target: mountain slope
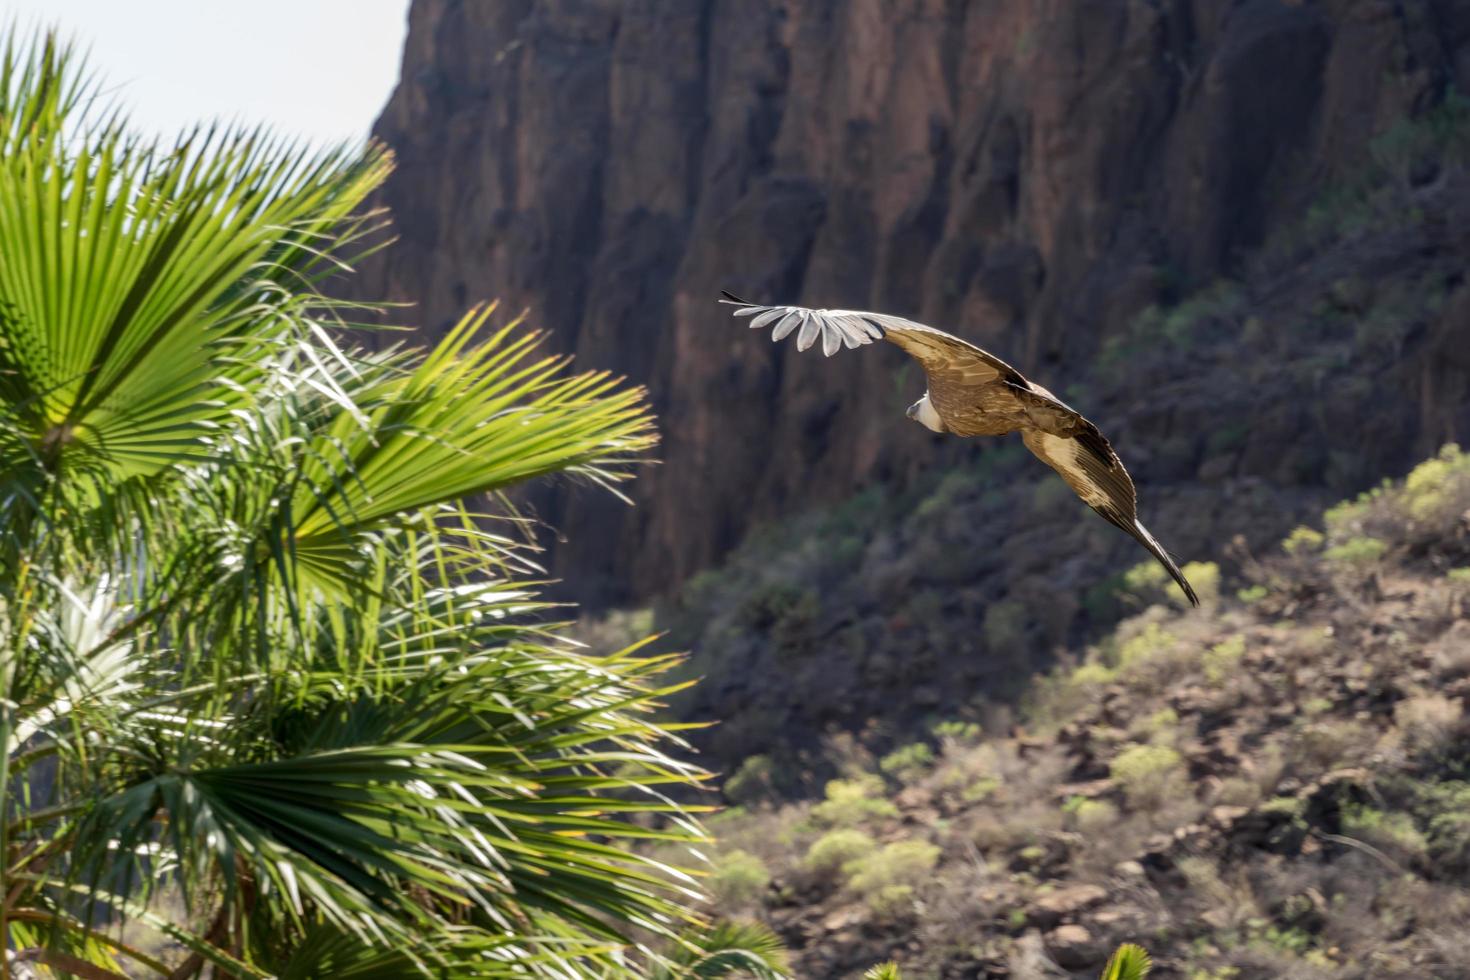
[[1273, 786], [1241, 411]]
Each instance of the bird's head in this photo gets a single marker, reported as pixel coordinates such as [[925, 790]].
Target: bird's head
[[924, 412]]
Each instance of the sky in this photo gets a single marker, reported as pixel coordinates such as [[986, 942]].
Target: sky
[[316, 69]]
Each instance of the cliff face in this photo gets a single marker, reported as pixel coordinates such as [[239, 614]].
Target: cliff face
[[1029, 173]]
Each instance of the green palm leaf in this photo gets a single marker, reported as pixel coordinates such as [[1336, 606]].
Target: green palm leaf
[[136, 278], [1128, 962], [746, 949], [465, 421]]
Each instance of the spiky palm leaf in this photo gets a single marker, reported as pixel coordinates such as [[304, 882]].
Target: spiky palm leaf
[[1128, 962], [746, 949], [257, 655]]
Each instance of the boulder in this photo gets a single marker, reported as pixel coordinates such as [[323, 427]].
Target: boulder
[[1074, 947], [1064, 904]]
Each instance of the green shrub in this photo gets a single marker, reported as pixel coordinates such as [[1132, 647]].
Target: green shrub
[[1204, 576], [886, 879], [1384, 829], [1290, 940], [1223, 659], [1222, 301], [837, 848], [909, 762], [1447, 806], [1093, 674], [1148, 582], [1252, 593], [784, 610], [1147, 773], [958, 731], [981, 789], [1330, 742], [1302, 540], [1357, 551], [1431, 484], [1095, 816], [752, 780], [1291, 807], [739, 880], [1144, 578], [851, 802], [1140, 648], [1339, 518], [1312, 707], [1162, 720]]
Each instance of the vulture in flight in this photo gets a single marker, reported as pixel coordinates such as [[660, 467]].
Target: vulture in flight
[[974, 393]]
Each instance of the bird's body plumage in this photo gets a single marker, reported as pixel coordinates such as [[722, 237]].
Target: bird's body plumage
[[974, 393]]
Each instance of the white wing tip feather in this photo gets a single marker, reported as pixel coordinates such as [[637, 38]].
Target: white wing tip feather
[[835, 328]]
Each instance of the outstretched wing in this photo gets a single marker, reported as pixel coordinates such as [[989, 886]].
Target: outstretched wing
[[1087, 462], [943, 356]]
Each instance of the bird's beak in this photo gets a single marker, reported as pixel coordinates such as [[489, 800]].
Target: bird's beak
[[913, 411]]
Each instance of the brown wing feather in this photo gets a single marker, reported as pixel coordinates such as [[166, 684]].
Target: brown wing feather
[[948, 358], [1096, 474]]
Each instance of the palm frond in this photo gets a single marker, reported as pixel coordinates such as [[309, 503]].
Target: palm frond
[[466, 421], [261, 657], [747, 949], [135, 276], [1128, 962]]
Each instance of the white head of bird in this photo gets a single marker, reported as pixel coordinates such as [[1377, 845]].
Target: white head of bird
[[924, 412]]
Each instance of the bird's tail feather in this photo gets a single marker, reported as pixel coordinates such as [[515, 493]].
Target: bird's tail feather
[[1148, 541]]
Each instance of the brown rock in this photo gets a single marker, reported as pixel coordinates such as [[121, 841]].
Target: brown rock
[[1073, 946], [914, 798], [844, 917], [1222, 818], [1064, 903]]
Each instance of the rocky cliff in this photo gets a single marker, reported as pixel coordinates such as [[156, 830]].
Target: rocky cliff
[[1033, 174]]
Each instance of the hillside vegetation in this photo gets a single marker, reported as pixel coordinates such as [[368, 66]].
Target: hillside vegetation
[[1241, 407], [1275, 785]]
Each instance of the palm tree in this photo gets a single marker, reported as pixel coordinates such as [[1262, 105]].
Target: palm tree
[[276, 699]]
